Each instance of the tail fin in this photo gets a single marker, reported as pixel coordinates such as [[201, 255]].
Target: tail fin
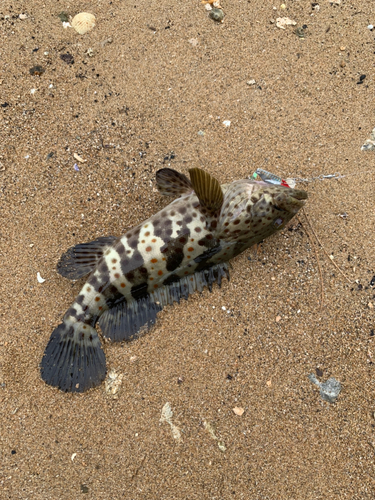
[[73, 360]]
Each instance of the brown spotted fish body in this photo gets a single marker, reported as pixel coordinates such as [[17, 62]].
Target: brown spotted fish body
[[182, 248]]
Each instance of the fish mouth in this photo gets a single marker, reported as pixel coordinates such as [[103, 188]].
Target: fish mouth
[[290, 200]]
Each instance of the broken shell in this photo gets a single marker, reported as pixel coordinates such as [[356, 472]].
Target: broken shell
[[83, 22], [217, 15]]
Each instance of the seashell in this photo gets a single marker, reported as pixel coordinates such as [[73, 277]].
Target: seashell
[[217, 15], [83, 22]]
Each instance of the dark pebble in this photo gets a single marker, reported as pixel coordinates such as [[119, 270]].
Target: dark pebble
[[36, 71], [362, 77], [68, 58], [13, 452], [372, 282], [84, 488], [5, 104], [319, 372]]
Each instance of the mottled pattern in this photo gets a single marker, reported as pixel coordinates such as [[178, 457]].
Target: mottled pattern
[[177, 251]]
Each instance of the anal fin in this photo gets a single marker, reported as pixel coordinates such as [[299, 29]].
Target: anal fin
[[126, 320], [83, 258]]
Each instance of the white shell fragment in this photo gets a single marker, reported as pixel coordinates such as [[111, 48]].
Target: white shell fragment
[[369, 145], [281, 22], [39, 278], [83, 22], [113, 383], [166, 416], [329, 390], [79, 158], [226, 123]]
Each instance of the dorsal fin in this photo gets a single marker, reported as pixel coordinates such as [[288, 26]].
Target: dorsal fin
[[208, 190], [82, 259], [171, 183]]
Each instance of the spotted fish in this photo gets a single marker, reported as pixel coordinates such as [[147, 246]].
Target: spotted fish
[[181, 249]]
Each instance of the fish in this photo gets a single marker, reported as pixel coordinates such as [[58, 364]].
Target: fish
[[183, 248]]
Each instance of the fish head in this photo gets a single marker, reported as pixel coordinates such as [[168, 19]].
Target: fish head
[[253, 210]]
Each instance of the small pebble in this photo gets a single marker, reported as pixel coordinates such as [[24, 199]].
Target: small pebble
[[238, 411], [36, 71], [370, 27], [226, 123], [217, 15], [22, 17]]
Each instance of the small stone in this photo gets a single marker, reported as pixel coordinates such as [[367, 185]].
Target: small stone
[[22, 17], [283, 6], [370, 27], [238, 411], [39, 278], [84, 488], [67, 58], [217, 15], [90, 52], [278, 318], [251, 82], [36, 70], [342, 47], [64, 17], [269, 383], [370, 305], [342, 64], [226, 123], [281, 22]]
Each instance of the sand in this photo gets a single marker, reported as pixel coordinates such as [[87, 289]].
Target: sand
[[161, 77]]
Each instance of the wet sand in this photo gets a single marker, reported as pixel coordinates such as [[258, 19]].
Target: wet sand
[[162, 78]]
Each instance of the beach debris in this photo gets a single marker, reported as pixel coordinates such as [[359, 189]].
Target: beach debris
[[32, 92], [73, 457], [263, 175], [209, 428], [36, 70], [329, 390], [76, 167], [300, 32], [90, 52], [238, 411], [370, 27], [278, 318], [217, 15], [39, 278], [281, 22], [361, 79], [226, 123], [113, 383], [79, 158], [283, 6], [201, 133], [251, 82], [83, 22], [66, 25], [67, 58], [22, 17], [194, 42], [63, 16], [166, 416], [369, 144]]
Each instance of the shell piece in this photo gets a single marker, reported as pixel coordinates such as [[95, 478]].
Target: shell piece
[[83, 22], [217, 15]]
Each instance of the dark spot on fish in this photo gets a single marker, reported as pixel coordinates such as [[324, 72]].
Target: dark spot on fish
[[130, 276], [179, 223], [197, 229], [93, 280], [237, 221], [164, 213], [158, 232], [140, 291], [194, 214], [138, 257], [169, 232], [80, 299], [156, 222], [183, 240], [182, 210], [71, 312], [173, 278], [133, 243], [172, 213]]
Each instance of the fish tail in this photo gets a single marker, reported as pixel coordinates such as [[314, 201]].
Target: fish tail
[[73, 360]]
